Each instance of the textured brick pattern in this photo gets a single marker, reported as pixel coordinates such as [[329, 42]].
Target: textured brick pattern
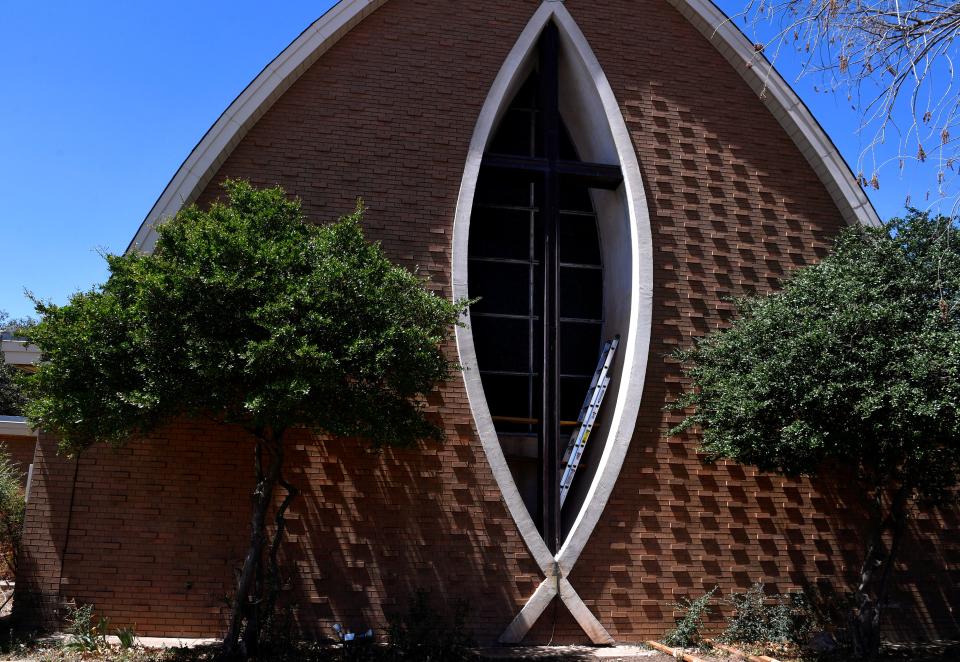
[[157, 529], [40, 561]]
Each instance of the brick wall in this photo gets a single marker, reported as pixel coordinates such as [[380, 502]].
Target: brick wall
[[21, 451], [157, 529], [40, 562]]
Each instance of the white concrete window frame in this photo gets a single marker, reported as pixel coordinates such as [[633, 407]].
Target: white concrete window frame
[[590, 110]]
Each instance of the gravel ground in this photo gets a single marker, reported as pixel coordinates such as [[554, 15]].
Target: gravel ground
[[622, 652]]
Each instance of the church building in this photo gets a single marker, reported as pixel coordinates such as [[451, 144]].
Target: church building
[[603, 177]]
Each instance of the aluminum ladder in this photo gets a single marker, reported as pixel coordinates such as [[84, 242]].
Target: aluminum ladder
[[587, 417]]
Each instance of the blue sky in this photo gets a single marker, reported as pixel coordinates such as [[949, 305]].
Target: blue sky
[[104, 100]]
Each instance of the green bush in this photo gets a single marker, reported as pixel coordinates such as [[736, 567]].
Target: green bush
[[12, 507], [759, 618], [11, 399], [785, 618], [87, 632], [127, 637], [686, 632]]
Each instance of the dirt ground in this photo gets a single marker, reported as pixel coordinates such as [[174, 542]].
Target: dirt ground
[[924, 652]]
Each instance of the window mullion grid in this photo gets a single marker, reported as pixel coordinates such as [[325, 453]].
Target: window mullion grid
[[550, 420]]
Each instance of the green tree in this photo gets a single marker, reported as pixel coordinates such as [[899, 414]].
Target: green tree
[[246, 314], [12, 508], [855, 363], [11, 398]]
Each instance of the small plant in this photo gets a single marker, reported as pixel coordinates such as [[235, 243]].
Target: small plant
[[794, 618], [87, 632], [127, 637], [686, 632], [423, 634], [759, 618], [278, 637], [12, 507], [820, 613]]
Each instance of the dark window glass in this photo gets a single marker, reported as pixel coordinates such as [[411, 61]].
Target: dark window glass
[[507, 396], [579, 347], [498, 233], [506, 271], [527, 95], [574, 197], [538, 231], [572, 393], [515, 134], [581, 293], [502, 287], [503, 233], [503, 187], [502, 344], [566, 149], [578, 239]]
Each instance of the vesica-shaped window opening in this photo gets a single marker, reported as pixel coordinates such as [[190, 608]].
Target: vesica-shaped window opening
[[535, 264]]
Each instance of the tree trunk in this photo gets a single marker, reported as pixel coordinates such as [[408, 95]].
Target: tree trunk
[[273, 569], [865, 622], [262, 497]]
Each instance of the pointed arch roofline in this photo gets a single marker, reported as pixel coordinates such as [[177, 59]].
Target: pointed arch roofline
[[250, 105], [276, 78], [788, 109]]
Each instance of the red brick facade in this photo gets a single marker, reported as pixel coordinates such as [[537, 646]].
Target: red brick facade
[[20, 450], [156, 530]]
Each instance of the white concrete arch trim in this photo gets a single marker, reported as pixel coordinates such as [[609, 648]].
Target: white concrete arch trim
[[556, 568], [220, 140], [786, 107]]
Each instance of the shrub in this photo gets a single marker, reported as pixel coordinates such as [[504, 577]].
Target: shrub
[[12, 507], [127, 637], [686, 632], [759, 618], [787, 619], [87, 632]]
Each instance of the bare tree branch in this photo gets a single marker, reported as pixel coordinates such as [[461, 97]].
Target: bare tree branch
[[893, 62]]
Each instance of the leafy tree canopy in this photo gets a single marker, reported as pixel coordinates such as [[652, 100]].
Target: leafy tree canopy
[[856, 361], [250, 315], [11, 399]]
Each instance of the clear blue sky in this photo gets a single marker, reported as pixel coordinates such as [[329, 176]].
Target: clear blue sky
[[103, 100]]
